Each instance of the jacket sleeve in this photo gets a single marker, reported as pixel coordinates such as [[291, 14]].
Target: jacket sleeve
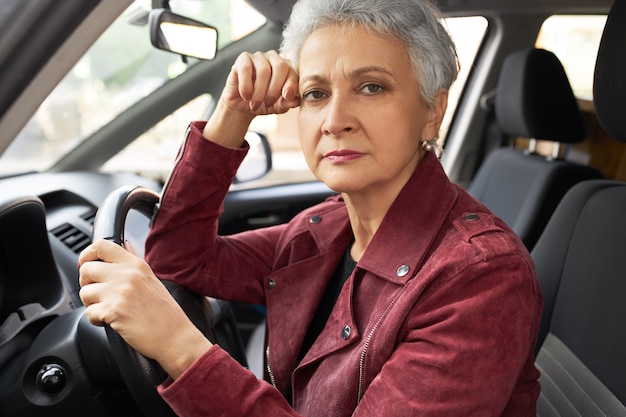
[[183, 245], [216, 385]]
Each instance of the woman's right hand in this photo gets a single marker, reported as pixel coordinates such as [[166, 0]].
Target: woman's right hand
[[258, 84]]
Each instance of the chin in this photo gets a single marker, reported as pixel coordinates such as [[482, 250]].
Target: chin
[[344, 186]]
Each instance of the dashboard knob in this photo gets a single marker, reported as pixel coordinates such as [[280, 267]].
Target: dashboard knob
[[51, 378]]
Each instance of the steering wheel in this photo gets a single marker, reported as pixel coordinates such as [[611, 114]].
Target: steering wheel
[[213, 317]]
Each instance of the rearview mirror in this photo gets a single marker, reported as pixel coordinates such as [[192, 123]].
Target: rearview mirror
[[182, 35]]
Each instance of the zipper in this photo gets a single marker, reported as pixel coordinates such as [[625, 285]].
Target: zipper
[[366, 348], [269, 367], [362, 361]]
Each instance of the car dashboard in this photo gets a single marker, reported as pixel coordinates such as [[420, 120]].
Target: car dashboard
[[46, 221]]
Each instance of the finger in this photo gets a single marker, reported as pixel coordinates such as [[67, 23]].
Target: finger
[[89, 294], [290, 98], [267, 72], [290, 88], [97, 314], [103, 250], [244, 75], [103, 261], [97, 311], [129, 247], [94, 271], [292, 84], [282, 72], [90, 253], [284, 85], [262, 77]]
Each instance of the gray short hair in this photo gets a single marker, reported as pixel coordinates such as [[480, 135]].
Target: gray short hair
[[416, 22]]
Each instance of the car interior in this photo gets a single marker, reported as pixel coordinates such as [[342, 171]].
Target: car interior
[[580, 269], [533, 100], [549, 162]]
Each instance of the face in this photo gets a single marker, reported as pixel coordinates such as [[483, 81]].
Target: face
[[361, 116]]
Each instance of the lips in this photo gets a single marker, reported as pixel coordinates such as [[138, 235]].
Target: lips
[[344, 155]]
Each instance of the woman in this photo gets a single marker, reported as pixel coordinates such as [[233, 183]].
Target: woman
[[401, 296]]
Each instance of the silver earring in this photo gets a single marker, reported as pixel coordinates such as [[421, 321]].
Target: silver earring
[[430, 145]]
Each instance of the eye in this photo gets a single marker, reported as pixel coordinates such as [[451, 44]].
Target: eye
[[372, 89], [314, 95]]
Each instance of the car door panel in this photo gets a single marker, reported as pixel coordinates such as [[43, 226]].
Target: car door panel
[[260, 207]]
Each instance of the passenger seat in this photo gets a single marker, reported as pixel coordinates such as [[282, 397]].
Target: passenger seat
[[581, 267], [533, 100]]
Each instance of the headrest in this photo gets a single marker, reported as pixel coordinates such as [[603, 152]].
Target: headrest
[[609, 84], [534, 98]]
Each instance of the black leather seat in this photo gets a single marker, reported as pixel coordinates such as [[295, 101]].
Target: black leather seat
[[534, 100], [581, 266]]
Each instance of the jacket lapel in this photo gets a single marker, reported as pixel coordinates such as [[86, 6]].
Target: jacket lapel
[[413, 222], [316, 249]]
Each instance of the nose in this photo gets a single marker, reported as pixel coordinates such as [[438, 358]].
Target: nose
[[339, 118]]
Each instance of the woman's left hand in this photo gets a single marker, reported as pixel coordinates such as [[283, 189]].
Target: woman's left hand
[[119, 289]]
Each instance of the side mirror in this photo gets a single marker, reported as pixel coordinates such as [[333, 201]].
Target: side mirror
[[258, 161], [181, 35]]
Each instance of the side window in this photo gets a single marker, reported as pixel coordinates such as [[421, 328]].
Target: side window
[[468, 34], [575, 40], [282, 131], [120, 69], [152, 154]]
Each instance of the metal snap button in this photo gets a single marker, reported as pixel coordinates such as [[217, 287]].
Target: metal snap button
[[271, 284], [402, 270], [315, 219], [345, 333], [471, 217]]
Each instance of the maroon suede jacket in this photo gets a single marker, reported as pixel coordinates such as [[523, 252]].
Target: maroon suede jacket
[[439, 318]]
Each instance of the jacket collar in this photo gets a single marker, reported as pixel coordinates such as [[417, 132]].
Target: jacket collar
[[412, 223]]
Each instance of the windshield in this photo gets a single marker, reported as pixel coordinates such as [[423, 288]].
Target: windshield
[[121, 68]]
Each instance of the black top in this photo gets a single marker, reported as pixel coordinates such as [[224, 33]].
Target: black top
[[341, 274]]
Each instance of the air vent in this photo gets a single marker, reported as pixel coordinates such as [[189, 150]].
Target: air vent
[[72, 237], [89, 216]]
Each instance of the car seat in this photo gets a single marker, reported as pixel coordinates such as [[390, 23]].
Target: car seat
[[533, 99], [581, 266]]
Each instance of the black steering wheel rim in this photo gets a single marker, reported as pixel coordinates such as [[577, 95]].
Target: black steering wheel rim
[[140, 374], [213, 317]]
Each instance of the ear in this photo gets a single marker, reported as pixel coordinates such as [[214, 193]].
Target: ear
[[436, 113]]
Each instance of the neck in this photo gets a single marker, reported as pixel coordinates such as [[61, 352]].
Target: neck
[[368, 207], [364, 226], [366, 212]]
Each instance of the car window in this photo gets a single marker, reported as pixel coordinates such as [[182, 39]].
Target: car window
[[574, 39], [121, 68], [96, 92]]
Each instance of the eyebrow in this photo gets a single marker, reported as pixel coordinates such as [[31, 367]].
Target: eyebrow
[[353, 74]]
